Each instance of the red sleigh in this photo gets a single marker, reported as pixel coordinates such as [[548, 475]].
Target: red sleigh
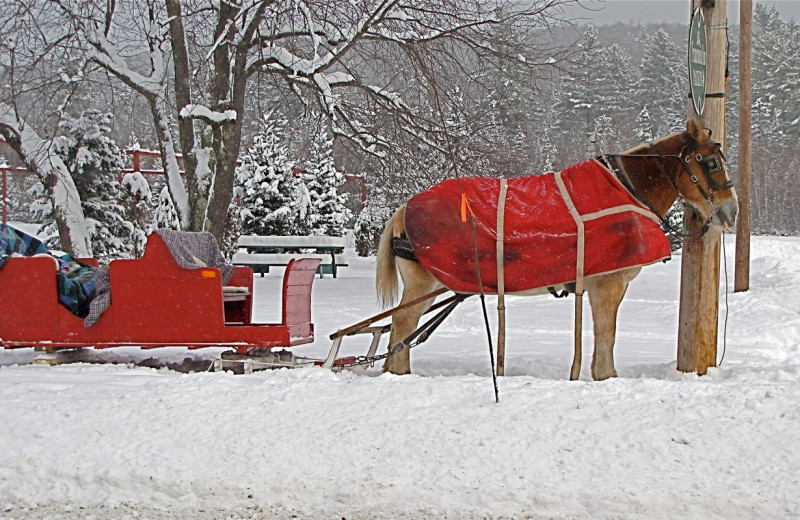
[[154, 303]]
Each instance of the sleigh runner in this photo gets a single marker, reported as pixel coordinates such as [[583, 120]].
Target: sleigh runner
[[367, 326]]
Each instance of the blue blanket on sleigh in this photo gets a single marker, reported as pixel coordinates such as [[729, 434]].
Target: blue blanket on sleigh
[[75, 280]]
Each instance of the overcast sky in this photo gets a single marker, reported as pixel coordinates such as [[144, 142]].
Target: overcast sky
[[645, 11]]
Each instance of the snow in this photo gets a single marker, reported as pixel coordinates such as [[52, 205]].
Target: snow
[[177, 190], [206, 114], [107, 56], [118, 441], [137, 185]]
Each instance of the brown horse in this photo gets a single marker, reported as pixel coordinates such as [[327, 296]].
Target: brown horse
[[689, 164]]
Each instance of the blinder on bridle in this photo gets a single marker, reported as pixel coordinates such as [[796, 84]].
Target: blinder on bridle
[[710, 164]]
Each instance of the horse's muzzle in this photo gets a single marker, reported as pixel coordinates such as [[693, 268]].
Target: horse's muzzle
[[724, 215]]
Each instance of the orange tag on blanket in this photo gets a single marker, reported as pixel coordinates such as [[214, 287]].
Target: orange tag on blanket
[[464, 207]]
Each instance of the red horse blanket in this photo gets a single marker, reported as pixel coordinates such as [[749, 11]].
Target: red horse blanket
[[543, 218]]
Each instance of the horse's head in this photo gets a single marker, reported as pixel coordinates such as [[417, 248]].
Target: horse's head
[[703, 180]]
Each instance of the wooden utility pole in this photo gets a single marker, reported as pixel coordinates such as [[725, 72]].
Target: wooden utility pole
[[742, 277], [699, 294]]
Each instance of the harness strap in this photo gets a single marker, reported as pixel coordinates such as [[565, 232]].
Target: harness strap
[[614, 163], [401, 246], [421, 335], [660, 159], [575, 370], [501, 282], [562, 294]]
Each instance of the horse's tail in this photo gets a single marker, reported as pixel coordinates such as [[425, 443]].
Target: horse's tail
[[386, 282]]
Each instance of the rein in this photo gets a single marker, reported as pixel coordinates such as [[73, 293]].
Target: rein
[[710, 165]]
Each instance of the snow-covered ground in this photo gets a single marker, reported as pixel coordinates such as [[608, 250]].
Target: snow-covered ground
[[119, 441]]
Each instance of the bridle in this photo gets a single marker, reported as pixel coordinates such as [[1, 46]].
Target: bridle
[[709, 164]]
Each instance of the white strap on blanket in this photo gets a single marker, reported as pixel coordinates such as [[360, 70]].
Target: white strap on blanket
[[579, 261], [501, 302], [575, 371]]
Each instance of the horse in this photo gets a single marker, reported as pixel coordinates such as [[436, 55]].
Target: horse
[[687, 163]]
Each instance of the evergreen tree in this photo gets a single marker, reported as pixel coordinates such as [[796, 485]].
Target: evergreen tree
[[136, 197], [674, 227], [776, 122], [776, 79], [644, 125], [369, 227], [661, 88], [329, 214], [510, 115], [577, 104], [543, 137], [94, 161], [165, 216], [595, 99], [273, 200], [614, 83], [604, 131]]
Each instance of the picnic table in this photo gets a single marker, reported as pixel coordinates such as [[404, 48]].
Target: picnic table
[[261, 252]]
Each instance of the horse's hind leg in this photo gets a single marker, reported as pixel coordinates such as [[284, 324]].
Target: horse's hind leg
[[605, 295], [417, 282]]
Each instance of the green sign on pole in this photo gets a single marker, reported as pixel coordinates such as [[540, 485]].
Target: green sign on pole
[[697, 61]]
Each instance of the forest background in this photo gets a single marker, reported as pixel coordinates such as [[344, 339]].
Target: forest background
[[401, 105]]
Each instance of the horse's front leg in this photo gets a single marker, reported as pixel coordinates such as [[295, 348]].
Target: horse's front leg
[[417, 282], [605, 295]]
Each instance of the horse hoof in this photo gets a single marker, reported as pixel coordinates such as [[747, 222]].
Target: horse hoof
[[396, 371], [603, 377]]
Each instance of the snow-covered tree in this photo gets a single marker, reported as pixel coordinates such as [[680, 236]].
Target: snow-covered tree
[[595, 96], [273, 200], [577, 105], [94, 161], [369, 227], [616, 79], [775, 122], [328, 212], [604, 132], [165, 216], [544, 131], [136, 197], [776, 79], [674, 228], [644, 125]]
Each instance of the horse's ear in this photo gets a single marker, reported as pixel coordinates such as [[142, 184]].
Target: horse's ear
[[696, 130]]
